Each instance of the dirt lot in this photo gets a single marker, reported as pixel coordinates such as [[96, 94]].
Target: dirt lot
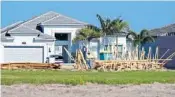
[[89, 90]]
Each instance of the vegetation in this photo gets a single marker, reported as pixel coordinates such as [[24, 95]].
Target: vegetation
[[141, 38], [107, 27], [87, 34], [9, 77]]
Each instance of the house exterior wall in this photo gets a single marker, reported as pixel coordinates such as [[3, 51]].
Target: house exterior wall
[[29, 42], [164, 43], [97, 45], [129, 45], [95, 48], [1, 53], [71, 30], [110, 40]]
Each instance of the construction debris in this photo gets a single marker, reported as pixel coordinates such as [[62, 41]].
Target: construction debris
[[29, 66], [80, 62], [137, 60]]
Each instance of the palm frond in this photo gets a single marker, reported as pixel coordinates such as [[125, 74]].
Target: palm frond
[[136, 42], [132, 34], [93, 28], [87, 34], [119, 25], [144, 33], [79, 37], [147, 39], [102, 22]]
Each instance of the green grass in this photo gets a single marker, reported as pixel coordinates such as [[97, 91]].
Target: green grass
[[9, 77]]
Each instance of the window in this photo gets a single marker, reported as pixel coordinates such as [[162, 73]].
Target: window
[[61, 36]]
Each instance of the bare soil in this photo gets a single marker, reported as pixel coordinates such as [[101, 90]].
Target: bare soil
[[89, 90]]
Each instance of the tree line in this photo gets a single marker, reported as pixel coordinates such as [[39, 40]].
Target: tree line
[[113, 27]]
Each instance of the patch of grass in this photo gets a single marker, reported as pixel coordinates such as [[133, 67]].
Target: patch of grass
[[9, 77]]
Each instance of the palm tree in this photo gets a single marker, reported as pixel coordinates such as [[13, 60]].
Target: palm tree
[[87, 34], [105, 25], [91, 31], [141, 38], [118, 26]]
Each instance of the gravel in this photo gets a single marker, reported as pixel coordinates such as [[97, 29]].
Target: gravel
[[89, 90]]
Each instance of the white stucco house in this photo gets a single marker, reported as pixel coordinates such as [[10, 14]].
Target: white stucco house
[[37, 38]]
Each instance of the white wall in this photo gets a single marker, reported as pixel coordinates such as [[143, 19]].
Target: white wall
[[72, 30], [122, 41], [1, 54], [29, 42], [109, 40], [51, 30], [94, 48]]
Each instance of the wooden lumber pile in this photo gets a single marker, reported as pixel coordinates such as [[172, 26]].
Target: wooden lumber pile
[[29, 66], [137, 60], [119, 65]]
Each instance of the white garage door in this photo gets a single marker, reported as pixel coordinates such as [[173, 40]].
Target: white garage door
[[23, 54]]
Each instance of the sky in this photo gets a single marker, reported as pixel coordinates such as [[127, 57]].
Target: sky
[[139, 15]]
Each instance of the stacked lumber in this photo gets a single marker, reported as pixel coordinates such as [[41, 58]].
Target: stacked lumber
[[29, 66], [122, 65], [137, 60]]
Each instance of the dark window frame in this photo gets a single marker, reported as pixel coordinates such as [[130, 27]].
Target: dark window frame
[[61, 36]]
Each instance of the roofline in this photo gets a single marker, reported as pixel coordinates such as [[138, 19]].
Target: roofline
[[64, 24], [83, 23], [162, 27], [22, 25], [16, 24], [50, 19], [74, 19], [38, 17]]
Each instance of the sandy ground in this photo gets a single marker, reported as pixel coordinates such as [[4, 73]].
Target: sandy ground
[[89, 90]]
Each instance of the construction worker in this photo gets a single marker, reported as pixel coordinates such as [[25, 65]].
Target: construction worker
[[84, 51]]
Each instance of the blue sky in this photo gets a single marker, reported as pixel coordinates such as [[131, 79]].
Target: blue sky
[[139, 15]]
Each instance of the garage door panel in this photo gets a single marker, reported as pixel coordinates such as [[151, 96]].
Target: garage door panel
[[23, 54]]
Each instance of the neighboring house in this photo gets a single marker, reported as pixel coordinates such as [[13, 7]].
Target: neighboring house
[[120, 41], [165, 37], [168, 30], [36, 39], [105, 44]]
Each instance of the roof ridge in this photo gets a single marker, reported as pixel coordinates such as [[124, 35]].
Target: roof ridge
[[38, 16], [23, 24], [51, 18], [65, 17], [16, 24], [73, 19]]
